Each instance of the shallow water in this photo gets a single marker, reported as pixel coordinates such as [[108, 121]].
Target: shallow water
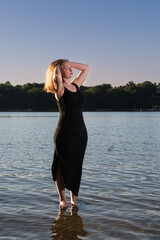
[[120, 188]]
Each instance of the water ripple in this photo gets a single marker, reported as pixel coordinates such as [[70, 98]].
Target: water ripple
[[119, 194]]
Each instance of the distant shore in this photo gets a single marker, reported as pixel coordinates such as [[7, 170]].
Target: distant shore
[[100, 98], [96, 110]]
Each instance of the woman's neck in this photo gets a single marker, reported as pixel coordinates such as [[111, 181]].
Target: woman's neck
[[66, 81]]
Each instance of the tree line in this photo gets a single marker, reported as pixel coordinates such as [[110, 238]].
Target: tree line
[[104, 97]]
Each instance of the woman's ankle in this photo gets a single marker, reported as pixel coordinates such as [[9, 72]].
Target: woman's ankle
[[74, 201]]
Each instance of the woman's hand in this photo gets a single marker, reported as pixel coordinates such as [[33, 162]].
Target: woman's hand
[[58, 71], [58, 75]]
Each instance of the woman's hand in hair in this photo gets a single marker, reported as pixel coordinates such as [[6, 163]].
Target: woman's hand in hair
[[58, 75]]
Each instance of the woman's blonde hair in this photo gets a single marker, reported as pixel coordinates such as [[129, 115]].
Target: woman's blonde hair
[[50, 85]]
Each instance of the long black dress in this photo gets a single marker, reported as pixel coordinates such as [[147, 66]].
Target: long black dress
[[70, 139]]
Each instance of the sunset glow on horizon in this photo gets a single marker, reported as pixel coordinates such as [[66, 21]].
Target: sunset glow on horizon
[[118, 39]]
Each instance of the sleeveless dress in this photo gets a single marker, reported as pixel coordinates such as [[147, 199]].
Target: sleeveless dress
[[70, 139]]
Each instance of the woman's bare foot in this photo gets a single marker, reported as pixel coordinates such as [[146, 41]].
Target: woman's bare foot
[[74, 200], [74, 204], [63, 204]]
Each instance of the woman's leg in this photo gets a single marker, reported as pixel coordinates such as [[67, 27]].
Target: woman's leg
[[61, 189], [74, 199]]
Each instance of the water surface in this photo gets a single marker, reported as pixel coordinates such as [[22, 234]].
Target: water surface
[[120, 188]]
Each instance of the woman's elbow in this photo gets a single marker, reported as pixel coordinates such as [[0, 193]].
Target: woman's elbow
[[86, 67]]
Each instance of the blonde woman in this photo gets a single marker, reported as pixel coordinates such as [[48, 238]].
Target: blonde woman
[[70, 137]]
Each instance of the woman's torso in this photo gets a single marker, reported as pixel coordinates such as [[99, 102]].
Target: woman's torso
[[70, 108]]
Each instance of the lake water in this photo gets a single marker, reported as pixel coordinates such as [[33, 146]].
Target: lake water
[[120, 189]]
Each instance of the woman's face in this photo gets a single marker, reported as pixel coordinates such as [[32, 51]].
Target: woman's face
[[66, 70]]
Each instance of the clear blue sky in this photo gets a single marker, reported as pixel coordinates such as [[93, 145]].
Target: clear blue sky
[[118, 39]]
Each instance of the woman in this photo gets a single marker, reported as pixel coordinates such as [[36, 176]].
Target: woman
[[70, 137]]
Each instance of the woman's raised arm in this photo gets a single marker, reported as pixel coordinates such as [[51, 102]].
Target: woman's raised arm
[[58, 80], [83, 68]]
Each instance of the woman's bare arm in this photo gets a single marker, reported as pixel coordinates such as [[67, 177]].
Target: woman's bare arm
[[83, 72], [59, 83]]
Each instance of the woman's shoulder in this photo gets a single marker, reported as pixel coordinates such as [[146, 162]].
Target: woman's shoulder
[[76, 85]]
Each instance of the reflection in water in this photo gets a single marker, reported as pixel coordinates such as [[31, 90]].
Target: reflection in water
[[68, 225]]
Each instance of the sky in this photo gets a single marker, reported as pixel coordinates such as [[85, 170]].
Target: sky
[[118, 39]]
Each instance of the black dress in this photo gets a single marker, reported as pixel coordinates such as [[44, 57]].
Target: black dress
[[70, 139]]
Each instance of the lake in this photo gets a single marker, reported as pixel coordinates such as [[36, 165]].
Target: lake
[[119, 195]]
